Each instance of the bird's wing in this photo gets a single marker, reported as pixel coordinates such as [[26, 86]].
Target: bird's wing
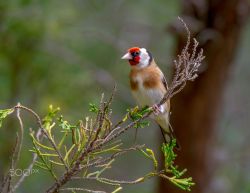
[[164, 81], [172, 133], [169, 136]]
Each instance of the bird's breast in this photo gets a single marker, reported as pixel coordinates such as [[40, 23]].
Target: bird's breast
[[137, 82], [144, 92]]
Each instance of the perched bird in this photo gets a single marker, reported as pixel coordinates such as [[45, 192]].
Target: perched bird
[[149, 86]]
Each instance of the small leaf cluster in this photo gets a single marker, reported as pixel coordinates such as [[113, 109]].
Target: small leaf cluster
[[61, 153], [93, 108], [169, 157], [136, 114]]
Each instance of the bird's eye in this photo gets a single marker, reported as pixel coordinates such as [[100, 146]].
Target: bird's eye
[[135, 53]]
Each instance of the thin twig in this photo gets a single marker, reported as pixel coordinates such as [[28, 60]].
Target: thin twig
[[19, 106], [21, 132], [82, 189], [119, 182], [105, 160], [30, 167], [6, 185]]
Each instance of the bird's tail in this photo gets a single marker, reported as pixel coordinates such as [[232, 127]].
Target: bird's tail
[[169, 136]]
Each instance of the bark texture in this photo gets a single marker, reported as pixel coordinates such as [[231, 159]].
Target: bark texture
[[217, 25]]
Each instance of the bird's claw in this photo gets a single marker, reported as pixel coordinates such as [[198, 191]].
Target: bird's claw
[[157, 110]]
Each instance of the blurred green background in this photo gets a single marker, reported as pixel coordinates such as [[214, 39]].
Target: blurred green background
[[67, 53]]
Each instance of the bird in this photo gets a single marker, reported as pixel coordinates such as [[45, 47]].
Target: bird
[[148, 85]]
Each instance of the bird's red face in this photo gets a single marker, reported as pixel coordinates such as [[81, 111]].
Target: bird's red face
[[135, 53], [133, 56], [138, 57]]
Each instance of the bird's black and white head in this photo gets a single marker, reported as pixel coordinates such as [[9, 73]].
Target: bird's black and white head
[[138, 57]]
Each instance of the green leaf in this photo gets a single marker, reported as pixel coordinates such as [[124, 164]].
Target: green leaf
[[184, 183], [62, 140], [41, 145], [41, 166], [136, 114], [49, 154], [4, 113], [117, 190], [114, 148], [67, 153], [65, 125], [51, 114], [168, 152], [93, 108], [142, 124], [169, 155], [176, 172], [56, 163], [152, 156]]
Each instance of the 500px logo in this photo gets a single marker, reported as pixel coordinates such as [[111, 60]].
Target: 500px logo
[[25, 172]]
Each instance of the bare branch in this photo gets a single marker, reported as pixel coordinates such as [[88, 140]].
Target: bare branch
[[21, 133], [82, 189], [6, 185], [29, 168], [39, 138], [51, 140]]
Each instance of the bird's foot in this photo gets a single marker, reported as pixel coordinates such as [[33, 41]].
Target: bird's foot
[[157, 110]]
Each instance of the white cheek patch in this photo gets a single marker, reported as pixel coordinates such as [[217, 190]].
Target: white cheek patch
[[144, 58]]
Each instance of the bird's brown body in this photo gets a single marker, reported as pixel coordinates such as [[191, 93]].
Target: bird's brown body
[[150, 78], [148, 86]]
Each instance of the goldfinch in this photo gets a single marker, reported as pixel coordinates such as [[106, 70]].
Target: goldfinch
[[148, 86]]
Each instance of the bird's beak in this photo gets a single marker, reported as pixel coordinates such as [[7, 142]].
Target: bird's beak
[[127, 56]]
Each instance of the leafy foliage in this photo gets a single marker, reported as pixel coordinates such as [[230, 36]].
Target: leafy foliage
[[93, 108], [4, 113], [135, 114], [85, 151], [169, 155]]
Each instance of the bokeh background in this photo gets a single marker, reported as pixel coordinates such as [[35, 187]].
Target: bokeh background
[[67, 53]]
